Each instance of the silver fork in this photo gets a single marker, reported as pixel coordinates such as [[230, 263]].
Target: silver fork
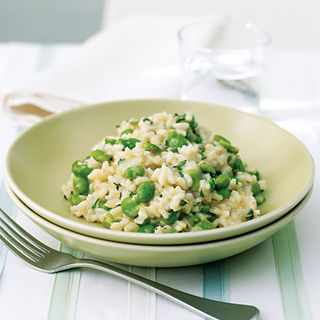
[[48, 260]]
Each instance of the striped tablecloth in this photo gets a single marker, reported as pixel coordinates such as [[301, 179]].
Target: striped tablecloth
[[280, 276]]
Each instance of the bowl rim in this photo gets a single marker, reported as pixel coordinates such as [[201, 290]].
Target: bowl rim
[[158, 238], [58, 229]]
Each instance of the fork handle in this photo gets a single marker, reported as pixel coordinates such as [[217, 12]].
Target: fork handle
[[210, 309]]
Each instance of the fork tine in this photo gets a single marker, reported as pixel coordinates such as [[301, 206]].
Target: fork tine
[[22, 240], [16, 248], [25, 235]]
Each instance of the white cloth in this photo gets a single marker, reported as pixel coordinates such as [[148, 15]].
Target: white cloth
[[117, 63], [92, 75]]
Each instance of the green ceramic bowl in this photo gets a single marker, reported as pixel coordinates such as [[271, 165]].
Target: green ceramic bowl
[[159, 256], [39, 162]]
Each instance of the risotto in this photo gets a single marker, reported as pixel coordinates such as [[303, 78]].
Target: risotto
[[164, 173]]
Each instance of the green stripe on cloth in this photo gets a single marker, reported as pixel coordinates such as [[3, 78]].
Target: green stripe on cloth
[[215, 281], [8, 207], [63, 304], [287, 258], [64, 295]]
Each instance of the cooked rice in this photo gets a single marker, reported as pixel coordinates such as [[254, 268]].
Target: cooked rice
[[174, 194]]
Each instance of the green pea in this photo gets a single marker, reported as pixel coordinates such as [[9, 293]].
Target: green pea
[[193, 123], [173, 217], [148, 146], [130, 207], [249, 215], [222, 181], [107, 220], [212, 217], [225, 143], [198, 138], [75, 199], [146, 228], [196, 177], [225, 193], [238, 164], [206, 167], [80, 169], [260, 198], [129, 143], [174, 150], [145, 192], [133, 172], [203, 225], [80, 185], [127, 131], [100, 156], [212, 184], [255, 188], [110, 141], [205, 209], [175, 139]]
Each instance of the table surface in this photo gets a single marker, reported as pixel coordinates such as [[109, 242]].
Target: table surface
[[280, 276]]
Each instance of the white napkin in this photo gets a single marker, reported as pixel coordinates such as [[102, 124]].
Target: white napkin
[[104, 68]]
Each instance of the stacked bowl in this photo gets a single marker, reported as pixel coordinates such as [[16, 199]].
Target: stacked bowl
[[38, 163]]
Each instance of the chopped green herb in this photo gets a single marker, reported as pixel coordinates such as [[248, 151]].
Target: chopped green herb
[[129, 143], [147, 120], [183, 203], [212, 184], [127, 131], [180, 164], [249, 215]]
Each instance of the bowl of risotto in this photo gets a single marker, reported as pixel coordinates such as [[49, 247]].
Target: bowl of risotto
[[159, 172], [160, 255]]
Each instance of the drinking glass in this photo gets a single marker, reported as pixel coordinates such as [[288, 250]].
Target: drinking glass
[[222, 61]]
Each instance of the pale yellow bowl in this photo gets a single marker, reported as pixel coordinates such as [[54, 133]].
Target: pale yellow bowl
[[159, 256], [39, 162]]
